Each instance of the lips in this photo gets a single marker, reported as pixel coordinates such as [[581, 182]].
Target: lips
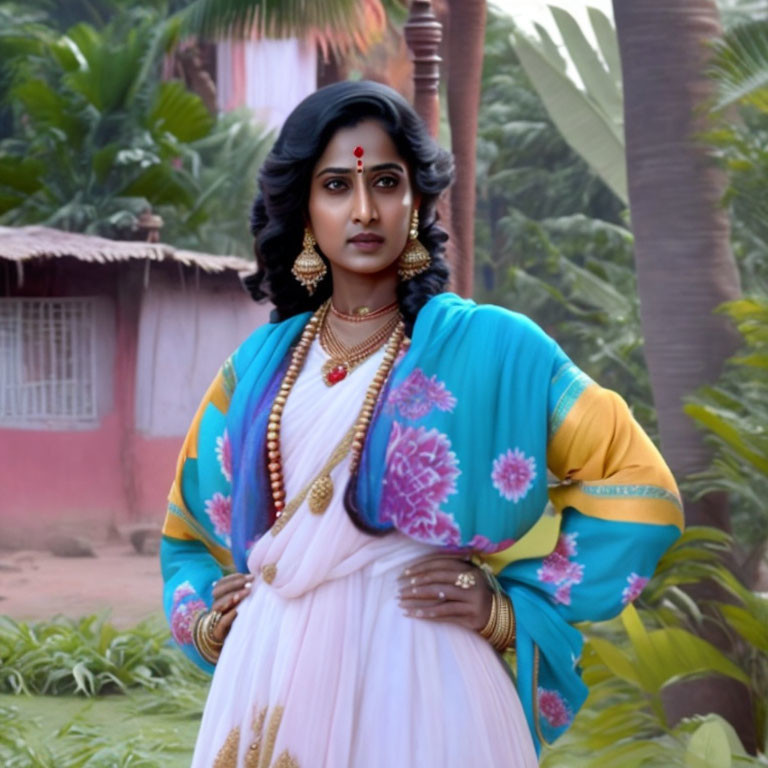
[[366, 237]]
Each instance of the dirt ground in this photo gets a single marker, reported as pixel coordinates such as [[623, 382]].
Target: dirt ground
[[39, 585]]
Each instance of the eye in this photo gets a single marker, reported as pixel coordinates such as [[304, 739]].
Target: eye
[[387, 182], [335, 185]]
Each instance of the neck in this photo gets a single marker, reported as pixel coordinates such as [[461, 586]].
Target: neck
[[352, 290]]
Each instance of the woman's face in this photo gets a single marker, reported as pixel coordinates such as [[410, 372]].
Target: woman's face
[[361, 220]]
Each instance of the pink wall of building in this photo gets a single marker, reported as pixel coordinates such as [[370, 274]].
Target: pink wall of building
[[112, 474]]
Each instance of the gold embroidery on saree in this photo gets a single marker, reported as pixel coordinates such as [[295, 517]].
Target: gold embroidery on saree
[[268, 572], [260, 750], [253, 754], [285, 761], [227, 755]]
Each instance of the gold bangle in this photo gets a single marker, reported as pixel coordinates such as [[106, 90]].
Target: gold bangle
[[505, 637], [487, 630], [499, 631], [502, 624], [205, 645]]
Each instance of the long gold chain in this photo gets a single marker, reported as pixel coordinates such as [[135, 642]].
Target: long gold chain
[[320, 490]]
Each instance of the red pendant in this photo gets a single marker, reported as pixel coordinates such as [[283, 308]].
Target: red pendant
[[335, 375]]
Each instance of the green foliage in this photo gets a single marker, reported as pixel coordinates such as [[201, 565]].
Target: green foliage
[[735, 414], [589, 114], [88, 657], [98, 138], [628, 662], [734, 411], [80, 745]]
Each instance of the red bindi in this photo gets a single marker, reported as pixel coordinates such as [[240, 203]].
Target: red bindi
[[358, 151]]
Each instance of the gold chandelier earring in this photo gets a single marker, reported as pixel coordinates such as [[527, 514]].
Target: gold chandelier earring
[[415, 258], [309, 269]]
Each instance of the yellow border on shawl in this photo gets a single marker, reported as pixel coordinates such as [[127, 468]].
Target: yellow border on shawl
[[599, 439]]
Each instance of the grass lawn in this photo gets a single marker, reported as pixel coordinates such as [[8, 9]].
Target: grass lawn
[[114, 719]]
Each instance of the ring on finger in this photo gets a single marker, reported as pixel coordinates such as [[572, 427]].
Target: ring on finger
[[441, 594], [465, 580]]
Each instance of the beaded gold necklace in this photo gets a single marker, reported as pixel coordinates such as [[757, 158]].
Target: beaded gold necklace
[[321, 489]]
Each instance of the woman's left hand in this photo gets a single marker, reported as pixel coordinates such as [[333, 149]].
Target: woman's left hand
[[430, 589]]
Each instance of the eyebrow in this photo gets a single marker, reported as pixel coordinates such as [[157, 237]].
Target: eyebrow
[[379, 167]]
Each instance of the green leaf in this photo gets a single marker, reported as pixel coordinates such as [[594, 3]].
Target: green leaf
[[752, 629], [582, 123], [615, 659], [708, 747], [599, 84], [179, 112], [717, 422], [607, 42], [84, 679], [667, 655]]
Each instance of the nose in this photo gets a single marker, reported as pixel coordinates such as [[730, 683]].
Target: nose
[[363, 208]]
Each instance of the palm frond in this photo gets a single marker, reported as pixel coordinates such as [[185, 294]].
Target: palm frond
[[740, 66], [340, 25]]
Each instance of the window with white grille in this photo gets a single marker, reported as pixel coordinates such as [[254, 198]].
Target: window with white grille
[[47, 361]]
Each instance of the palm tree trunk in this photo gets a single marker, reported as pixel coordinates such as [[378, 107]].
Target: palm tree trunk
[[465, 41], [685, 267]]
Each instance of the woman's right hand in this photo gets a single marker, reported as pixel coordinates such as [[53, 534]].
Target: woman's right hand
[[228, 592]]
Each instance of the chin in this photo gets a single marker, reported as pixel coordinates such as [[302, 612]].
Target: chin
[[367, 264]]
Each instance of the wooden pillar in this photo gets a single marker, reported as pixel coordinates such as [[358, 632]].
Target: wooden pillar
[[423, 34]]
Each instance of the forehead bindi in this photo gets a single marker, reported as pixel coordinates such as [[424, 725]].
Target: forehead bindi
[[360, 146]]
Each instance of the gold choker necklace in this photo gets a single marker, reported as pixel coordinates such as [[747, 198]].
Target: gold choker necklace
[[363, 314]]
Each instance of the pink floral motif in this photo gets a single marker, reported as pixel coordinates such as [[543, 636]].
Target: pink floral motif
[[513, 474], [636, 584], [421, 474], [553, 708], [185, 589], [563, 593], [418, 395], [566, 544], [224, 455], [183, 613], [183, 620], [555, 569], [484, 544], [558, 569], [219, 510]]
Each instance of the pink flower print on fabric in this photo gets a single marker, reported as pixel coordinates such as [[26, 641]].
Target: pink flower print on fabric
[[185, 589], [219, 510], [513, 474], [184, 612], [563, 593], [558, 569], [553, 708], [484, 544], [183, 620], [224, 455], [635, 585], [421, 474], [566, 544], [418, 395]]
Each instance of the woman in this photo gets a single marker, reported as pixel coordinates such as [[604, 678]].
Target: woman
[[370, 471]]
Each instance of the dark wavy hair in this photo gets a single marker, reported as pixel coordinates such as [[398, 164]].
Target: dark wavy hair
[[280, 210]]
